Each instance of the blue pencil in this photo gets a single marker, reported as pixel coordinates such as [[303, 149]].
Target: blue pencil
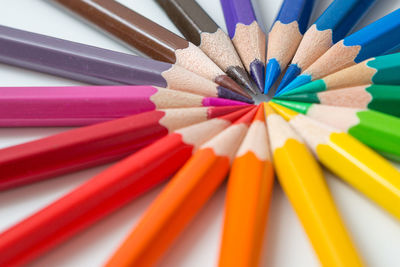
[[285, 36], [377, 38], [332, 26]]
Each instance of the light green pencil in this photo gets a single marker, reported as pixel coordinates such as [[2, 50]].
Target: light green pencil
[[375, 129]]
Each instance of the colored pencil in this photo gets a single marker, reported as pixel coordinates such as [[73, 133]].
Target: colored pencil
[[349, 159], [197, 27], [99, 66], [105, 192], [332, 26], [247, 36], [285, 36], [379, 70], [149, 38], [92, 145], [248, 196], [375, 129], [304, 184], [375, 39], [181, 199], [383, 98], [84, 105]]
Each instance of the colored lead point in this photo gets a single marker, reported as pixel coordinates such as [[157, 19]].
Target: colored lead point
[[297, 82], [257, 70], [271, 74], [291, 73]]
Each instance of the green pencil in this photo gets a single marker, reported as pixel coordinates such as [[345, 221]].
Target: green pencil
[[375, 129], [383, 98], [379, 70]]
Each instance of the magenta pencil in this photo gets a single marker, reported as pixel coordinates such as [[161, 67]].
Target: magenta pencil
[[84, 105]]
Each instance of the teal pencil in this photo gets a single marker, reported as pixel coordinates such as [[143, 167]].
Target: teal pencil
[[379, 70]]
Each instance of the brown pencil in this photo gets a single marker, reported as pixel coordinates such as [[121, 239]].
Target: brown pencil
[[149, 38], [197, 27]]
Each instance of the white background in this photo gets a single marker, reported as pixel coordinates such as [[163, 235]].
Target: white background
[[376, 234]]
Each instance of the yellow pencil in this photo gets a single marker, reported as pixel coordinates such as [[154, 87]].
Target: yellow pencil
[[349, 159], [304, 184]]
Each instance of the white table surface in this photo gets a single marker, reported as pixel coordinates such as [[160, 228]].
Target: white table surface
[[375, 233]]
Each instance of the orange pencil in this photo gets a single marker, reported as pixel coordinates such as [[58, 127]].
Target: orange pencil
[[248, 196], [181, 199]]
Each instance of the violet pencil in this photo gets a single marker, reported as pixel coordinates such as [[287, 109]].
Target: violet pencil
[[247, 36]]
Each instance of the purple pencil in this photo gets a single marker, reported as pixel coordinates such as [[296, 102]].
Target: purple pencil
[[100, 66], [83, 105], [247, 36]]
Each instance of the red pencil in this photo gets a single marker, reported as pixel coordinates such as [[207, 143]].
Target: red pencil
[[95, 144], [106, 192]]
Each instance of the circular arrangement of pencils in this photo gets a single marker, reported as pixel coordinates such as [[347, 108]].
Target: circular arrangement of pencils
[[186, 116]]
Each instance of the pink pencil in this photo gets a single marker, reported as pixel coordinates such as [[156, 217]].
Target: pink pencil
[[83, 105]]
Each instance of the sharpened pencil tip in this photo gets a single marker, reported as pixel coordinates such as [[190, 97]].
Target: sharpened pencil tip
[[285, 112], [218, 102], [228, 82], [241, 76], [300, 107], [257, 71], [271, 74], [312, 87], [297, 82], [229, 94], [291, 73], [306, 98], [268, 110]]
